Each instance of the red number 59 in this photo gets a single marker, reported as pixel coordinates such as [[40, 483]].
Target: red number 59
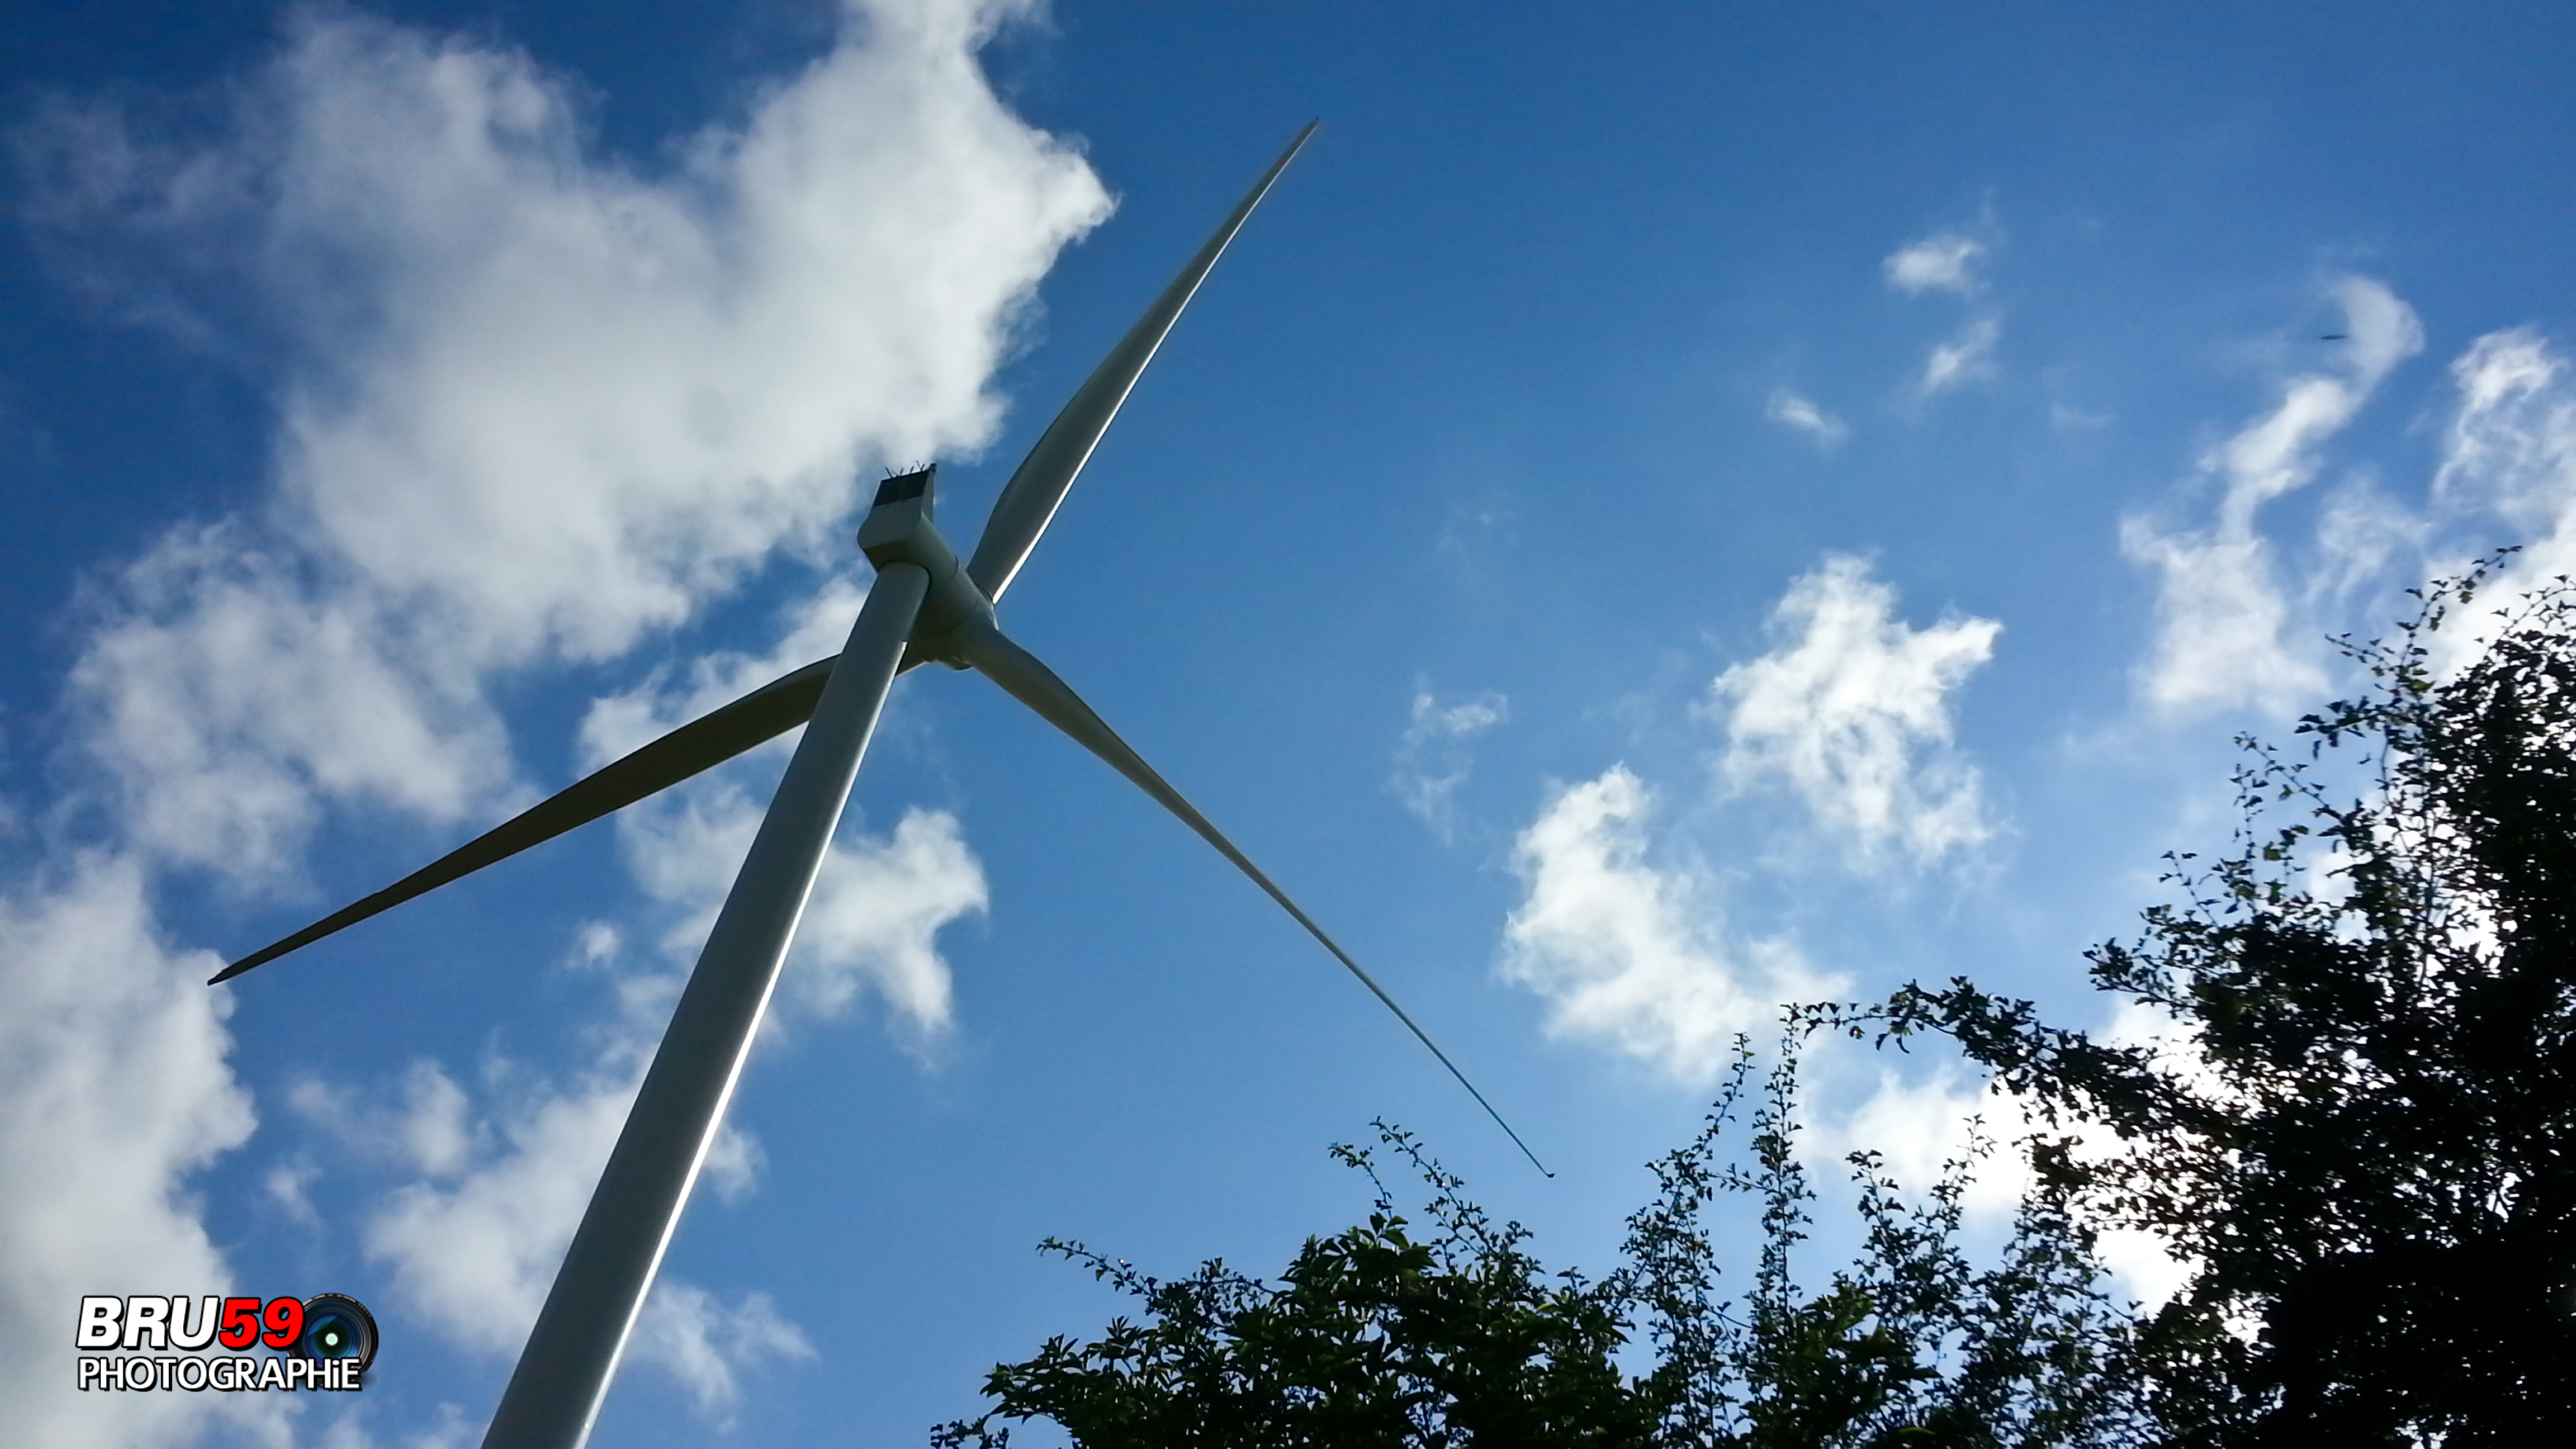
[[244, 1320]]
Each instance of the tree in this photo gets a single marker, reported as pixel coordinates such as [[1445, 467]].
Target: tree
[[2362, 1135], [1377, 1336]]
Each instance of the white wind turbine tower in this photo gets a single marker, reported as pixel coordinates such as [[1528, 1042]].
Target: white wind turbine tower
[[924, 606]]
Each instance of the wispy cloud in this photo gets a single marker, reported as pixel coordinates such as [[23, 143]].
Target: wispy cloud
[[709, 1347], [2508, 456], [1434, 757], [1800, 413], [1965, 358], [1947, 262], [2224, 634], [1942, 262], [1851, 714], [1632, 955]]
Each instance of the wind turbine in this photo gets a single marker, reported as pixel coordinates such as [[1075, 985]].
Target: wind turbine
[[925, 606]]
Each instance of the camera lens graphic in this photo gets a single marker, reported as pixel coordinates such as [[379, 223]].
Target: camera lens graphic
[[338, 1326]]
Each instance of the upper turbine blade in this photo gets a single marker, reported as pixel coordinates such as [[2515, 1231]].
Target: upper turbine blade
[[1029, 501], [1035, 685], [703, 743]]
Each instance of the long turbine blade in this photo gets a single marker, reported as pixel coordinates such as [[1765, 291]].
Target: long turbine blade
[[703, 743], [572, 1352], [1029, 501], [1035, 685]]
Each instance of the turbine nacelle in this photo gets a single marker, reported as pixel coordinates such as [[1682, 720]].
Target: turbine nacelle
[[898, 530]]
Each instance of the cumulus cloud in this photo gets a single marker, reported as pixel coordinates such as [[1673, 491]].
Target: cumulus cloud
[[114, 1087], [1851, 714], [533, 405], [2224, 618], [1434, 757], [226, 704], [1801, 414], [1631, 955], [474, 1241], [543, 404], [872, 921], [1941, 262]]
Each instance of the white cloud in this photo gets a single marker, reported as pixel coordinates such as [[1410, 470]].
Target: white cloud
[[226, 704], [1963, 359], [2509, 457], [735, 1161], [2510, 445], [2222, 625], [536, 405], [1433, 759], [596, 397], [1625, 952], [872, 921], [1938, 263], [619, 723], [707, 1346], [876, 910], [2225, 626], [1919, 1126], [2362, 533], [1851, 713], [114, 1088], [2143, 1262], [1797, 412], [473, 1245]]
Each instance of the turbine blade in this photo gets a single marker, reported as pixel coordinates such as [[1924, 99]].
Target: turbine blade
[[1029, 501], [1035, 685], [705, 742]]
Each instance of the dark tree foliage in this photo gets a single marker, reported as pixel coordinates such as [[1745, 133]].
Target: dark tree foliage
[[1384, 1336], [2365, 1134]]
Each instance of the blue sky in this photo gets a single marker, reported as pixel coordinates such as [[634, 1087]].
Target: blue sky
[[1667, 508]]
